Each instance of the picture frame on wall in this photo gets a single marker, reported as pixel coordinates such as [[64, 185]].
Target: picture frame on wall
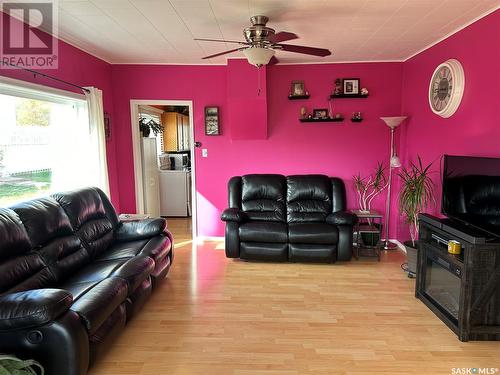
[[212, 126], [107, 126], [350, 86], [298, 88], [321, 113]]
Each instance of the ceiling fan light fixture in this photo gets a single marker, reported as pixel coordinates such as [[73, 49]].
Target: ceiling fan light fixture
[[258, 56]]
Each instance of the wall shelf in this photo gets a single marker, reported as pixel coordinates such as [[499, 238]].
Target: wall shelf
[[298, 97], [322, 119], [344, 96], [356, 119]]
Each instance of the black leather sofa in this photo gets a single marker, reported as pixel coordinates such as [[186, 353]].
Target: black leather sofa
[[72, 275], [296, 218]]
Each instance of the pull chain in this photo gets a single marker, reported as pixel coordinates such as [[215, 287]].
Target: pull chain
[[258, 81]]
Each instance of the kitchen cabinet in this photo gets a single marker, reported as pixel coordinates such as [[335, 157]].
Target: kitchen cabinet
[[176, 135]]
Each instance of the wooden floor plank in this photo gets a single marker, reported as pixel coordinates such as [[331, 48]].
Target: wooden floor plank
[[221, 316]]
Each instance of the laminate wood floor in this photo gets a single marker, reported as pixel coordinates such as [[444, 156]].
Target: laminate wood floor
[[220, 316]]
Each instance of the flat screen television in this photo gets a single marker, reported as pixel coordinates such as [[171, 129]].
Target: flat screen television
[[471, 192]]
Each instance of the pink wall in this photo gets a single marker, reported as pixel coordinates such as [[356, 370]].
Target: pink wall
[[246, 99], [473, 129], [82, 69], [335, 149]]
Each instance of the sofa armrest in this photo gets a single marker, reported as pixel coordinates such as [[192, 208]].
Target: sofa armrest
[[140, 229], [32, 308], [234, 214], [342, 218]]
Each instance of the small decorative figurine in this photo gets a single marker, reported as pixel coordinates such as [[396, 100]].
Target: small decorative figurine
[[303, 112], [356, 117], [338, 87], [364, 91]]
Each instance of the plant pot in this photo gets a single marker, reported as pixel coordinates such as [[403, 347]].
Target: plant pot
[[411, 255], [146, 132]]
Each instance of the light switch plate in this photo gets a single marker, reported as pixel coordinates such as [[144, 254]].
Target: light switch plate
[[204, 152]]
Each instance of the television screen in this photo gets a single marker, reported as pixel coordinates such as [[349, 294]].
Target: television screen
[[471, 191]]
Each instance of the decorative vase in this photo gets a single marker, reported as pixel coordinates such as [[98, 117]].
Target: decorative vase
[[146, 132]]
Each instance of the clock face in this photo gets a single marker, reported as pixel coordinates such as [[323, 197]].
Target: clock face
[[446, 88]]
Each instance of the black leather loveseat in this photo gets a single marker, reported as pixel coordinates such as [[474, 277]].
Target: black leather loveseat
[[72, 275], [296, 218]]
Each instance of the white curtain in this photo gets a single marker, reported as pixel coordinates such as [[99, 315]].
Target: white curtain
[[96, 119]]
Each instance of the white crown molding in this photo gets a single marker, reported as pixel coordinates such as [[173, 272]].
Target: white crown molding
[[494, 9], [430, 45]]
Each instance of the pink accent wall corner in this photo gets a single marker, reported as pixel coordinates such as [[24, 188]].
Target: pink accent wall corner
[[473, 129]]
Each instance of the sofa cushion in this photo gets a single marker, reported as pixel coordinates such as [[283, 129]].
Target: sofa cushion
[[97, 304], [52, 236], [325, 253], [276, 252], [90, 219], [313, 233], [157, 248], [14, 237], [263, 232], [308, 198], [133, 270], [25, 272], [263, 197], [20, 268], [44, 220]]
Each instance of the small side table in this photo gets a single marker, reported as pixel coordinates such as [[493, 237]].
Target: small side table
[[370, 224], [133, 217]]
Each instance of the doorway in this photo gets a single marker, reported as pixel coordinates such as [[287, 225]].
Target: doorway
[[165, 184]]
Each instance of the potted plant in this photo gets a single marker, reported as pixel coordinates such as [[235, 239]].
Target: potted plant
[[417, 193], [147, 126], [368, 188]]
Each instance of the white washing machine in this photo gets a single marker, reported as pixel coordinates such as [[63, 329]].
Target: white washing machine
[[175, 193]]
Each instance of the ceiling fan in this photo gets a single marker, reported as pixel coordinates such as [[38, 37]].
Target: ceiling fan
[[262, 41]]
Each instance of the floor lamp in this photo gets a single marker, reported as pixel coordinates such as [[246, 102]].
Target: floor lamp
[[394, 162]]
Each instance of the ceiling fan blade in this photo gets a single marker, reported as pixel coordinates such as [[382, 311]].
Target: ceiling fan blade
[[273, 61], [282, 36], [305, 50], [221, 53], [220, 40]]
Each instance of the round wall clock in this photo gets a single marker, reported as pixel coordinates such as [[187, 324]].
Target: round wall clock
[[446, 88]]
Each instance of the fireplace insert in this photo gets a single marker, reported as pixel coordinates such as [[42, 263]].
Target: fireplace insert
[[442, 280]]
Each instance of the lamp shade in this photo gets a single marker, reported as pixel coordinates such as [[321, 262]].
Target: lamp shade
[[393, 122], [395, 162], [258, 56]]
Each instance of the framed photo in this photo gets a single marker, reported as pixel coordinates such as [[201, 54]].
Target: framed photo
[[320, 113], [298, 88], [212, 121], [350, 86]]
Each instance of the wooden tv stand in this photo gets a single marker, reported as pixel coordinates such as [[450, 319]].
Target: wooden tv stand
[[478, 272]]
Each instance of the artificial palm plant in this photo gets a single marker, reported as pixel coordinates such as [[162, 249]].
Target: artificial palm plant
[[417, 193], [369, 187]]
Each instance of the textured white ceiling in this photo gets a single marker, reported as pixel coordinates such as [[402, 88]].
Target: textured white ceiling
[[162, 31]]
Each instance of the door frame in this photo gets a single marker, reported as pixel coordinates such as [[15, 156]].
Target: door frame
[[136, 150]]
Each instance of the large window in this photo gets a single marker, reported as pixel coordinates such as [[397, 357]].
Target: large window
[[45, 143]]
